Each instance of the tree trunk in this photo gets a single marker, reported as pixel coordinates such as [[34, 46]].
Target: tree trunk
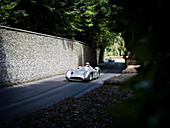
[[101, 55]]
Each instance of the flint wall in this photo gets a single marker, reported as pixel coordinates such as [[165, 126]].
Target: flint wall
[[28, 56]]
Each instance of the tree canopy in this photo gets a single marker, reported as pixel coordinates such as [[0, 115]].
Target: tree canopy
[[116, 46], [90, 21], [5, 10]]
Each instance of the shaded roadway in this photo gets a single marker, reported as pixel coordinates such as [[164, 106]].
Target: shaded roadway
[[22, 99]]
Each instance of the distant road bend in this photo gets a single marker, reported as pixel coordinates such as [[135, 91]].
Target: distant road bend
[[22, 99]]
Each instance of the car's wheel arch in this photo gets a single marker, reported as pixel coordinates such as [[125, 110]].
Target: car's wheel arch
[[88, 76]]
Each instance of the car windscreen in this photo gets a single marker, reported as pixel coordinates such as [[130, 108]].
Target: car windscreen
[[83, 68]]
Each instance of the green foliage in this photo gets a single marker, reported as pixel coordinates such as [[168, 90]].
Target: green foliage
[[145, 25], [116, 46], [6, 7], [82, 17], [42, 16], [93, 22], [90, 21]]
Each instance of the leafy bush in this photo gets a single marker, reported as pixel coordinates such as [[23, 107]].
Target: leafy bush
[[6, 7], [146, 27]]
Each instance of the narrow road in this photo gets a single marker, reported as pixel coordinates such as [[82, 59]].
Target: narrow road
[[22, 99]]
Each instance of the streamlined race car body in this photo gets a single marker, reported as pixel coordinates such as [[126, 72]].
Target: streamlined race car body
[[83, 73]]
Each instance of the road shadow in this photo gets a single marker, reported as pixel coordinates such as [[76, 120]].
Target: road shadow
[[112, 67]]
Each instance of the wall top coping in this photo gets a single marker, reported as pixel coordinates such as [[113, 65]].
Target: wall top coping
[[39, 34]]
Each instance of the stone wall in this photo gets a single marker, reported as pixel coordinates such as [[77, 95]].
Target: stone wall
[[27, 56]]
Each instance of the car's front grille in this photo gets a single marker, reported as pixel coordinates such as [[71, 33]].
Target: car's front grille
[[76, 78]]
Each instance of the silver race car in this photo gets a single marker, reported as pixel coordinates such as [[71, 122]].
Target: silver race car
[[83, 73]]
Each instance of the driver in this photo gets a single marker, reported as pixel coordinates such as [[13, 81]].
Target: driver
[[88, 65]]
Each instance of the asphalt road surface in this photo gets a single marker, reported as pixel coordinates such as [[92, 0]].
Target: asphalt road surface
[[22, 99]]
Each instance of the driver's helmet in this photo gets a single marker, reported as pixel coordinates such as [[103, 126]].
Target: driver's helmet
[[87, 64]]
